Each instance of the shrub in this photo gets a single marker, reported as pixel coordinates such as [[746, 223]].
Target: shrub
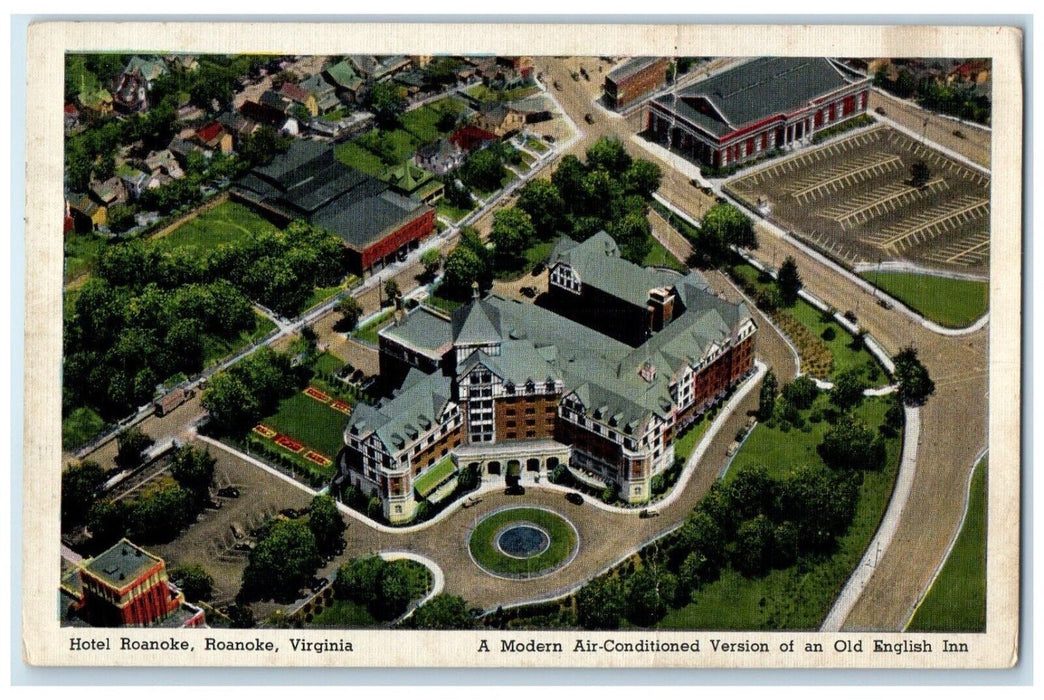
[[374, 509], [828, 334]]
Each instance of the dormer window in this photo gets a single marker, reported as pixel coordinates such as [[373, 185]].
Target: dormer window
[[510, 387]]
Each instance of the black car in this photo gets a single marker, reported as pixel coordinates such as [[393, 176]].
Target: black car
[[515, 490], [575, 498], [588, 118]]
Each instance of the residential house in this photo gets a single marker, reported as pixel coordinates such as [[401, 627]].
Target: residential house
[[443, 156], [260, 113], [272, 99], [472, 138], [324, 93], [413, 80], [238, 124], [183, 62], [147, 68], [129, 94], [136, 182], [83, 214], [189, 113], [346, 80], [377, 68], [214, 137], [164, 163], [300, 96], [72, 117], [97, 102], [109, 192], [499, 119]]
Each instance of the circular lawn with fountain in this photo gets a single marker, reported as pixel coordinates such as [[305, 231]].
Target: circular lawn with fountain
[[523, 542]]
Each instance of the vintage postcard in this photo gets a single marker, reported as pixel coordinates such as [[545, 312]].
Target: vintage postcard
[[371, 345]]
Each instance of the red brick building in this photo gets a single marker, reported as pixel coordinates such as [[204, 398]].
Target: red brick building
[[756, 107], [125, 586], [635, 79]]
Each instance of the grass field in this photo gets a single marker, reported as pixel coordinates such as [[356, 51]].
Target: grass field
[[485, 94], [537, 145], [355, 156], [948, 302], [343, 614], [227, 223], [321, 294], [368, 332], [956, 601], [661, 257], [845, 356], [454, 214], [80, 426], [311, 423], [533, 255], [216, 349], [686, 443], [421, 122], [484, 549], [800, 596], [442, 303], [81, 253]]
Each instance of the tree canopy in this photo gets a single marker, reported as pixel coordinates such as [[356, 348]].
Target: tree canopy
[[915, 385], [282, 562], [443, 612], [326, 523], [789, 281], [81, 485]]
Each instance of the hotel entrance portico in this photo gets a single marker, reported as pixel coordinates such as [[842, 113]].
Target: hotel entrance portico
[[529, 460]]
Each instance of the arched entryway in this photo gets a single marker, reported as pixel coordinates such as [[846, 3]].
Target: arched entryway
[[493, 468], [532, 464]]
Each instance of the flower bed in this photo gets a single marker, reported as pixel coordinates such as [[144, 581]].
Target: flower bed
[[288, 443], [313, 456], [264, 431], [317, 395], [342, 406]]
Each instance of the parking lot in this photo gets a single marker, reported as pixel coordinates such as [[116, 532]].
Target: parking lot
[[855, 199], [219, 540]]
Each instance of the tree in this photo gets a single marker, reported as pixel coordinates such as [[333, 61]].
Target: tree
[[801, 392], [194, 582], [350, 310], [545, 206], [568, 179], [259, 147], [459, 195], [642, 178], [240, 616], [767, 399], [463, 269], [160, 515], [282, 562], [754, 546], [647, 594], [915, 385], [431, 259], [848, 389], [107, 522], [326, 523], [849, 444], [633, 235], [600, 604], [919, 174], [131, 444], [359, 580], [81, 485], [121, 217], [483, 170], [393, 595], [392, 291], [895, 416], [723, 226], [512, 232], [193, 469], [386, 102], [443, 612], [608, 153], [233, 407], [789, 281], [820, 503], [752, 493]]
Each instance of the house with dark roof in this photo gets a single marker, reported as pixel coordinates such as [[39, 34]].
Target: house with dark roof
[[324, 93], [755, 107], [511, 390], [376, 223], [441, 157], [346, 81], [129, 94], [300, 96], [409, 180], [498, 119], [261, 113]]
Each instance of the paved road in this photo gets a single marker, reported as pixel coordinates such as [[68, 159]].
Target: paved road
[[976, 142]]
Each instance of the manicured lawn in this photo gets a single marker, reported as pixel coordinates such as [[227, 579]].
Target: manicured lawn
[[454, 214], [684, 445], [661, 257], [485, 94], [536, 145], [442, 303], [216, 349], [435, 476], [80, 426], [326, 363], [355, 156], [310, 422], [421, 123], [81, 253], [321, 294], [527, 159], [344, 614], [484, 548], [948, 302], [956, 602], [800, 596], [333, 115], [368, 332], [845, 357], [227, 223]]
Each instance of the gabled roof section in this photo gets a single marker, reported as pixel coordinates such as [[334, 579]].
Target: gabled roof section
[[597, 260], [477, 322]]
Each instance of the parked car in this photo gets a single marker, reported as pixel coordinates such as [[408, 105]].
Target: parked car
[[575, 498], [588, 118]]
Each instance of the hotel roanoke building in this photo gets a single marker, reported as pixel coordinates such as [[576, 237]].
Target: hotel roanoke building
[[600, 382]]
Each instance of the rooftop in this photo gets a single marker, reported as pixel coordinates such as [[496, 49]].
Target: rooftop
[[632, 66], [121, 564], [758, 89]]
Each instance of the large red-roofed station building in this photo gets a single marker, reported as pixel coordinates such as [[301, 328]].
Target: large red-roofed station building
[[757, 106]]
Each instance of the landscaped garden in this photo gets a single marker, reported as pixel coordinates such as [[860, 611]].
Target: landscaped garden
[[483, 93], [954, 303], [523, 542], [368, 332], [659, 256], [956, 601]]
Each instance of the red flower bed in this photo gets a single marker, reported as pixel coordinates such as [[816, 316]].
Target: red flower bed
[[264, 431], [317, 395], [343, 407], [288, 443], [319, 459]]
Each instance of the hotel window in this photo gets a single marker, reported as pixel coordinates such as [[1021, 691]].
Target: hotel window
[[530, 433]]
